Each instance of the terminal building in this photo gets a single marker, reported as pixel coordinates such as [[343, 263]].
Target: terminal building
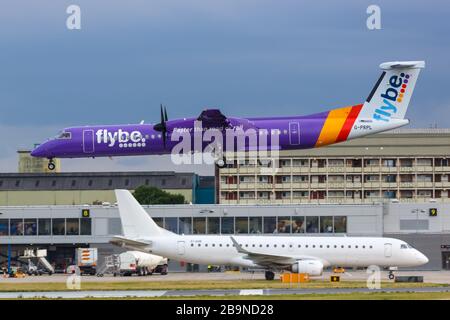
[[405, 165], [80, 188], [61, 229]]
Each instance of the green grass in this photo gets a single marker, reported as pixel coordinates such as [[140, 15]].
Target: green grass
[[343, 296], [200, 284]]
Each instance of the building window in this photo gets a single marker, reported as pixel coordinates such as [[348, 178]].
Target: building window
[[255, 225], [163, 182], [16, 227], [185, 225], [127, 182], [44, 227], [159, 221], [17, 183], [110, 182], [147, 182], [73, 227], [58, 227], [227, 225], [30, 226], [199, 225], [326, 224], [213, 225], [284, 225], [241, 225], [340, 224], [74, 183], [312, 224], [1, 183], [270, 224], [298, 225], [171, 224], [36, 184], [183, 181], [4, 227], [53, 183], [85, 227], [90, 183]]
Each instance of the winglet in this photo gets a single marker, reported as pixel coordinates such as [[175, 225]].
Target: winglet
[[239, 247]]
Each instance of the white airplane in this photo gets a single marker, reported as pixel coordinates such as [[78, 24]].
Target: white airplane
[[300, 254]]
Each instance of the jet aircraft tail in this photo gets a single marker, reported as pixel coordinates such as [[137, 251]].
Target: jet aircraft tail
[[136, 223], [389, 99]]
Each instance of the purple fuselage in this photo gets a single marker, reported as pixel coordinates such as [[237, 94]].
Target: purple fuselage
[[142, 139]]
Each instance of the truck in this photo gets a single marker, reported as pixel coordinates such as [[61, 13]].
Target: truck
[[86, 260], [141, 263]]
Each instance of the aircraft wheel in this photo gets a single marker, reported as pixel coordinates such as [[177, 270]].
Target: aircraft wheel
[[391, 276], [51, 165], [269, 275], [221, 162]]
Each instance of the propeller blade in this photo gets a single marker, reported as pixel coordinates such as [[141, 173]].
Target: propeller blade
[[162, 114], [166, 118]]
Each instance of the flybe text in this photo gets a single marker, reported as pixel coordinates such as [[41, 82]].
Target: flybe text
[[393, 94], [120, 136]]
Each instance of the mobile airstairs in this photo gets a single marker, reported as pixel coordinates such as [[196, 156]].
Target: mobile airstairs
[[111, 265], [36, 258]]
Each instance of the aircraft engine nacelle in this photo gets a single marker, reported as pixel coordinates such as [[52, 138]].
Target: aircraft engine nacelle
[[311, 267]]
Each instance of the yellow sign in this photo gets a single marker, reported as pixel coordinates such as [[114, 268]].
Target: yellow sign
[[433, 212], [335, 278], [85, 213]]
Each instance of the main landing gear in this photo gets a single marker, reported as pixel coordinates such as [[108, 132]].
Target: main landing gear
[[269, 275], [51, 165], [391, 275]]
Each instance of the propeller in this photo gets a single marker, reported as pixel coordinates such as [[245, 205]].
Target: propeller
[[162, 127]]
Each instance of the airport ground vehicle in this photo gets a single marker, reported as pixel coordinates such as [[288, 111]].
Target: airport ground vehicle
[[86, 260], [142, 264]]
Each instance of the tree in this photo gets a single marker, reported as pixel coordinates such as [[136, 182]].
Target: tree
[[152, 195]]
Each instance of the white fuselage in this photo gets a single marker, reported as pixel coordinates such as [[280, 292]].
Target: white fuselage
[[331, 251]]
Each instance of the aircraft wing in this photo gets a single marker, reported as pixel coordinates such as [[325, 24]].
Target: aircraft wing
[[214, 118], [126, 242], [268, 260]]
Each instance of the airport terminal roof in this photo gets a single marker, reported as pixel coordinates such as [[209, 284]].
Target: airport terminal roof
[[98, 180]]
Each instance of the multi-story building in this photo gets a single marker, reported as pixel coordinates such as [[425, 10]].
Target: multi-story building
[[406, 165]]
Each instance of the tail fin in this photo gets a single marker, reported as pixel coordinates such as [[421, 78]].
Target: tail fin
[[136, 222], [390, 97]]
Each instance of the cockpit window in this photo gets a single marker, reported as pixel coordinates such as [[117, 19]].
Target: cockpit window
[[403, 246], [64, 135]]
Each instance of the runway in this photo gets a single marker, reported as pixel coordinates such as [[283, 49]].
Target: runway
[[193, 293]]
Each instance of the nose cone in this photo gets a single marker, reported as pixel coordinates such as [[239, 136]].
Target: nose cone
[[421, 258], [40, 151]]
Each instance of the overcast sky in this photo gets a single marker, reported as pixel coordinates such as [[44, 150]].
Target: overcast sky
[[247, 57]]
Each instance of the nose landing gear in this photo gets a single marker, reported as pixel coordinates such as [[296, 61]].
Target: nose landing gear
[[51, 165]]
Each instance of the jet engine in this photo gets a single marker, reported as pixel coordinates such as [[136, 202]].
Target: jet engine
[[311, 267]]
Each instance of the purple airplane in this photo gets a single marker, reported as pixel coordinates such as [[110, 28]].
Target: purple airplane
[[384, 109]]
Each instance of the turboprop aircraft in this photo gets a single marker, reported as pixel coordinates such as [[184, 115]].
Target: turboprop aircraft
[[384, 109], [272, 252]]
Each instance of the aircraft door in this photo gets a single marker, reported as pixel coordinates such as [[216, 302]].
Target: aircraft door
[[294, 133], [388, 250], [181, 248], [88, 141]]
